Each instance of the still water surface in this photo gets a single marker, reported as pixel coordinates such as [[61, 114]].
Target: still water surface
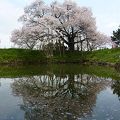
[[62, 96]]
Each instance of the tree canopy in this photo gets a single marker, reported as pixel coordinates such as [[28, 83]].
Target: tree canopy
[[116, 36], [64, 23]]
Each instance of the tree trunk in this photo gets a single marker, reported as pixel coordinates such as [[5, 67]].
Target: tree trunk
[[60, 47], [71, 43], [71, 46], [81, 45]]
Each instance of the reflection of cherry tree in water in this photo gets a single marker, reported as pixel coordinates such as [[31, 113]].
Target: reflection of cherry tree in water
[[116, 83], [58, 98], [0, 83], [116, 87]]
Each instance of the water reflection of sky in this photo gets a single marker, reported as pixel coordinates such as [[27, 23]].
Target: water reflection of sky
[[9, 104], [72, 97], [107, 107]]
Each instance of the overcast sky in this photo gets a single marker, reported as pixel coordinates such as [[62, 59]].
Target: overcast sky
[[106, 13]]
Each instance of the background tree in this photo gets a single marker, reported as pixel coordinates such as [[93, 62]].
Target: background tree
[[116, 36]]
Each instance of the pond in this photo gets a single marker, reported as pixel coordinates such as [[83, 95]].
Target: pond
[[59, 92]]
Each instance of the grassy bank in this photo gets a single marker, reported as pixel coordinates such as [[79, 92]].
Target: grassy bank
[[105, 55], [23, 56], [101, 57]]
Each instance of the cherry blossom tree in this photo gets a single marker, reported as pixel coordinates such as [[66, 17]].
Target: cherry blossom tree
[[65, 22], [99, 40], [27, 37]]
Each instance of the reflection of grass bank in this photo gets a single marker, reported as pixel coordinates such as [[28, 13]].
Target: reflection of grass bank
[[58, 70]]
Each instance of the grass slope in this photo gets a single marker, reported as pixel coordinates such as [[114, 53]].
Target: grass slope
[[105, 55], [18, 56], [21, 56]]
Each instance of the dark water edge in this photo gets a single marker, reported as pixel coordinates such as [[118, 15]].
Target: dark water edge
[[7, 71], [59, 92]]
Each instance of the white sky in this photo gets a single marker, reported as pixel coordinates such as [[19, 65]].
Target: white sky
[[106, 13]]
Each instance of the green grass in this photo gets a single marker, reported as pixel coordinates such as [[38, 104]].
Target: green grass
[[70, 57], [21, 55], [18, 56], [105, 55]]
